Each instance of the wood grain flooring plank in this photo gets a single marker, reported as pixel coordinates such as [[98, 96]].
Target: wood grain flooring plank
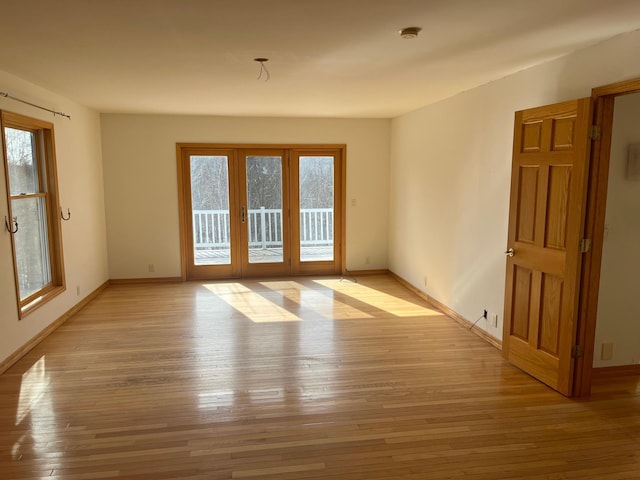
[[369, 382]]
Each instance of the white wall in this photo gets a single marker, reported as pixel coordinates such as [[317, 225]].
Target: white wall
[[450, 173], [618, 302], [78, 154], [141, 189]]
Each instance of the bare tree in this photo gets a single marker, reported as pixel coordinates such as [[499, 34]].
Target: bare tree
[[316, 182], [210, 182]]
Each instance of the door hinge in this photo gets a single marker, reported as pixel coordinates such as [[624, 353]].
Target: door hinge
[[594, 132], [585, 245], [577, 351]]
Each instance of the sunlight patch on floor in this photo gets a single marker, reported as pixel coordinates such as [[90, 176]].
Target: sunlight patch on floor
[[35, 409], [324, 305], [251, 304], [32, 389], [380, 300], [216, 399]]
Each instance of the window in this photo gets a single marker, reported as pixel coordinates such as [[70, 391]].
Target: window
[[30, 172]]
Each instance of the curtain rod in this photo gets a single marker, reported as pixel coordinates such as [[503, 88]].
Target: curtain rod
[[6, 95]]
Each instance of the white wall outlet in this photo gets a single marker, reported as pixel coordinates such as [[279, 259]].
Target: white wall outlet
[[425, 280], [77, 290], [152, 267], [493, 320], [606, 352], [367, 259]]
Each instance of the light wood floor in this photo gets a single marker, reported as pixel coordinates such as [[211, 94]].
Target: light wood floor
[[297, 379]]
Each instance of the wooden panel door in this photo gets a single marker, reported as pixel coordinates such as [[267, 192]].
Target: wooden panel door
[[209, 213], [546, 222], [316, 211]]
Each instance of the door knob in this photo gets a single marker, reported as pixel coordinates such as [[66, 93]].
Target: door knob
[[510, 252]]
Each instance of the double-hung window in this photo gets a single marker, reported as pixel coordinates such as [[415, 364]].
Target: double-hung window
[[32, 190]]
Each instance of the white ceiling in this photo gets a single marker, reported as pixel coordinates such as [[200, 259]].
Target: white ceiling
[[339, 58]]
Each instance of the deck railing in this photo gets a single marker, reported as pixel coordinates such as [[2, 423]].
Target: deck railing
[[211, 228]]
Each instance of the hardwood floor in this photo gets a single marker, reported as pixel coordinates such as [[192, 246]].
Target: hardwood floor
[[295, 379]]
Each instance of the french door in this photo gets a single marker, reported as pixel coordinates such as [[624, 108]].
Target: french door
[[260, 211]]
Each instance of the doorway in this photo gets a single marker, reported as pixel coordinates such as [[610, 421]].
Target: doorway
[[595, 228], [550, 312], [255, 210], [617, 329]]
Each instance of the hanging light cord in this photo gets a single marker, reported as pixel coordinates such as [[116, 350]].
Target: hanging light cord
[[55, 112], [263, 69]]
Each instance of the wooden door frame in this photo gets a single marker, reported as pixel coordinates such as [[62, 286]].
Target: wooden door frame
[[184, 216], [604, 98]]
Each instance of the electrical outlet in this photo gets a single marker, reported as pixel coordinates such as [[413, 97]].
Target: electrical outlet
[[425, 280], [77, 290], [152, 267], [607, 351], [494, 320], [367, 260]]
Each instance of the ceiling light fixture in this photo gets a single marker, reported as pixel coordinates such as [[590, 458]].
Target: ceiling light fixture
[[410, 32], [263, 69]]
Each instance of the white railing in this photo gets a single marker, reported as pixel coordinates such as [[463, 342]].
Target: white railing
[[316, 227], [211, 228], [265, 228]]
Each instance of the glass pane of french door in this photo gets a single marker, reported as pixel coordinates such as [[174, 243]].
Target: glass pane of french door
[[264, 218], [210, 210], [316, 187]]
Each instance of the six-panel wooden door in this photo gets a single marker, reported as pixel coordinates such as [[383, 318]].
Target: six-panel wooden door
[[546, 221]]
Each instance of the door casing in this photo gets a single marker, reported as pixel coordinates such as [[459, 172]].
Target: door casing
[[604, 98]]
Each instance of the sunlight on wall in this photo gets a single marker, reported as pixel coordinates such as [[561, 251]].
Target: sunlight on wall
[[380, 300], [251, 304]]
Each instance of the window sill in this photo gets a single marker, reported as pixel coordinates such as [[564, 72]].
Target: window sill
[[40, 300]]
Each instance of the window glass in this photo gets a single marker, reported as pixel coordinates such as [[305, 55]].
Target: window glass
[[31, 244], [21, 159], [210, 210], [264, 194], [316, 208]]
